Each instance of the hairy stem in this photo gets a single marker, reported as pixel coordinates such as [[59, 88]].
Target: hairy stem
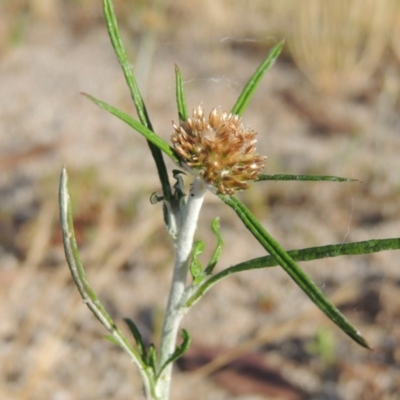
[[176, 308]]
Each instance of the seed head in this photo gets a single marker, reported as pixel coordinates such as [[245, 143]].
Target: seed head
[[219, 149]]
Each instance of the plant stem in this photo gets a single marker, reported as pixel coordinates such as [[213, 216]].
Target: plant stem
[[176, 309]]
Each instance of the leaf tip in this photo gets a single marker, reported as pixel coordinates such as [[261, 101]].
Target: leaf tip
[[362, 341], [64, 176]]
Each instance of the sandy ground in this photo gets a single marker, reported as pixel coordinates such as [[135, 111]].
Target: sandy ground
[[51, 347]]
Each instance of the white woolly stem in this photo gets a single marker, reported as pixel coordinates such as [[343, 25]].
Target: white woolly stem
[[175, 309]]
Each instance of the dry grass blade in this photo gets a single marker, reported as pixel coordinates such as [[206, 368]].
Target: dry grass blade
[[35, 255], [395, 36], [29, 270], [338, 45]]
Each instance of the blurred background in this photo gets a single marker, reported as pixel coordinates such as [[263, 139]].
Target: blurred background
[[329, 106]]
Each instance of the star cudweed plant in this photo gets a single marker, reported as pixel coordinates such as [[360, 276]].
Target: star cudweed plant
[[219, 151]]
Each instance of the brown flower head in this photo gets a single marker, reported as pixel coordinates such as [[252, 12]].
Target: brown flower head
[[218, 149]]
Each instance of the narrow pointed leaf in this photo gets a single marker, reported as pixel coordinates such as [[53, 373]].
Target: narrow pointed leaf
[[112, 339], [308, 254], [119, 49], [78, 273], [255, 80], [286, 177], [146, 132], [152, 357], [294, 271], [180, 96], [137, 336], [218, 249], [179, 351], [126, 66]]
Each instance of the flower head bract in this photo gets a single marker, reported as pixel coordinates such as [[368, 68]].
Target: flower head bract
[[219, 149]]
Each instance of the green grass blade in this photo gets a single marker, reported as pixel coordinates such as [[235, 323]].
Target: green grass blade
[[146, 132], [308, 254], [294, 271], [79, 276], [116, 41], [311, 178], [254, 81], [180, 96]]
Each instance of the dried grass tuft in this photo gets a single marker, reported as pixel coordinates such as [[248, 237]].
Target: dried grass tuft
[[395, 36], [339, 45]]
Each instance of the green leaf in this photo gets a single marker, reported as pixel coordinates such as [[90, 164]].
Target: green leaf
[[152, 357], [319, 252], [285, 177], [112, 339], [294, 271], [308, 254], [137, 336], [116, 41], [218, 249], [78, 273], [147, 133], [119, 49], [254, 81], [179, 351], [180, 96], [195, 267]]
